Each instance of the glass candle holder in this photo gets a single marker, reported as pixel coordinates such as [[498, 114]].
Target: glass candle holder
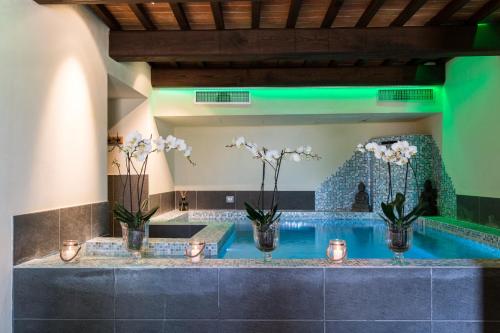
[[337, 250], [70, 251], [195, 251]]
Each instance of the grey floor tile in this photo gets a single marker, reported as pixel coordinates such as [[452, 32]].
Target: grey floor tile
[[271, 293], [76, 223], [139, 326], [63, 326], [465, 294], [171, 293], [378, 294], [378, 327], [464, 327], [63, 293], [271, 326], [191, 326], [35, 235]]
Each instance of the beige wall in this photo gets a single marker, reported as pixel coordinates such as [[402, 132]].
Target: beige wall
[[221, 168], [53, 104], [471, 125], [140, 119]]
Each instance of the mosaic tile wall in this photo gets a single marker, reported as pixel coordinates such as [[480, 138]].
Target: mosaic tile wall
[[337, 192]]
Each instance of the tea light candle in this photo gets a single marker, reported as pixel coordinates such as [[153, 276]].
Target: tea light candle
[[195, 251], [70, 251], [337, 250]]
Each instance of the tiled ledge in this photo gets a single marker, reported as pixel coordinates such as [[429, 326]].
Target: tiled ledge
[[240, 215], [214, 234], [114, 262], [172, 216], [481, 234]]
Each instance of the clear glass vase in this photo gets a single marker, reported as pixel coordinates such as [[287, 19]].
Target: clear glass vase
[[267, 241], [135, 242], [399, 241]]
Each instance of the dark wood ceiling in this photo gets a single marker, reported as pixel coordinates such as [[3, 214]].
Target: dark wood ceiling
[[394, 17]]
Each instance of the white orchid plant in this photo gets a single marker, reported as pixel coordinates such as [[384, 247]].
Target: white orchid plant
[[271, 158], [397, 153], [136, 151]]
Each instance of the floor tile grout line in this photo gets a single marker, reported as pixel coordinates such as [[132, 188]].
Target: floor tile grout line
[[218, 293], [324, 300], [431, 298]]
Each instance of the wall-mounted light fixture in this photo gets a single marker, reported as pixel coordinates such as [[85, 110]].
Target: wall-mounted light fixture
[[115, 140]]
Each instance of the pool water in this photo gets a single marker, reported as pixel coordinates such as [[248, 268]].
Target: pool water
[[365, 239]]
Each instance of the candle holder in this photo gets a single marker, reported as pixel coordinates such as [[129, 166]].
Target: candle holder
[[195, 251], [337, 250], [70, 251]]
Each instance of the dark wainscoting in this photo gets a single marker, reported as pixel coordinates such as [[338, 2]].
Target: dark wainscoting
[[480, 210], [351, 300], [289, 200], [165, 201], [39, 234]]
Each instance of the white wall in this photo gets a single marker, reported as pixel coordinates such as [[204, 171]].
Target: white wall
[[53, 104], [220, 168], [140, 118], [280, 101], [471, 125]]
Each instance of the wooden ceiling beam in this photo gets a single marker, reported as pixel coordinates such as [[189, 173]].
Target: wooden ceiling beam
[[331, 13], [299, 76], [293, 13], [488, 8], [105, 15], [142, 16], [407, 13], [180, 16], [369, 13], [311, 44], [444, 14], [115, 2], [218, 14], [256, 8]]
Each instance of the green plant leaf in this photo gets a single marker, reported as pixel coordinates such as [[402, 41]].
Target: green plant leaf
[[399, 203], [388, 210]]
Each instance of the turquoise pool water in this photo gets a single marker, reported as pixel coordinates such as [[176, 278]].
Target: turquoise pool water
[[365, 239]]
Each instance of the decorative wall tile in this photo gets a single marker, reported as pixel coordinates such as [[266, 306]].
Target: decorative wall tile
[[76, 223], [35, 235], [337, 192], [40, 234]]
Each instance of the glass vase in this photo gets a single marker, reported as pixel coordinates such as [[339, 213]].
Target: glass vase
[[135, 242], [399, 241], [267, 241]]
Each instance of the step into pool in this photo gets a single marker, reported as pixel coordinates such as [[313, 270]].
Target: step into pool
[[366, 239]]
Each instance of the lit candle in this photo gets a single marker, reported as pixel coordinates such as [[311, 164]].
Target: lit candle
[[194, 251], [337, 250], [70, 251]]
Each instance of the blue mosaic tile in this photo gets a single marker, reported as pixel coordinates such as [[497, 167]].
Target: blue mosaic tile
[[337, 192]]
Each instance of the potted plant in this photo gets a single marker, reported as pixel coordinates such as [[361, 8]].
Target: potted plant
[[135, 214], [266, 221], [399, 224]]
